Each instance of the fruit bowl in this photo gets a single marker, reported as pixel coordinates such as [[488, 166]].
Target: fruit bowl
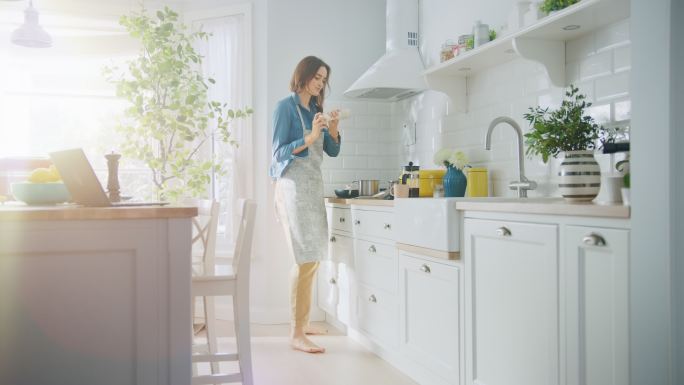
[[40, 193]]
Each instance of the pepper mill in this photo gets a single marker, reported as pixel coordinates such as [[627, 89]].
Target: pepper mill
[[113, 179]]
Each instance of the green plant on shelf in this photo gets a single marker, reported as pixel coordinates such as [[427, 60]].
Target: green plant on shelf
[[548, 6], [492, 34]]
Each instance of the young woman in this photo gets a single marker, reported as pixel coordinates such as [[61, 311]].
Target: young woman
[[301, 134]]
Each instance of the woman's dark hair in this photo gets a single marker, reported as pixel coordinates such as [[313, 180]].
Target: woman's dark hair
[[304, 72]]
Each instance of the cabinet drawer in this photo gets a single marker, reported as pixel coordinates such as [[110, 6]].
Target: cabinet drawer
[[341, 248], [378, 315], [376, 265], [339, 218], [377, 224]]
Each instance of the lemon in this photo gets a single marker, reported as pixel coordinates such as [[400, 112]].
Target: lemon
[[55, 173], [42, 175]]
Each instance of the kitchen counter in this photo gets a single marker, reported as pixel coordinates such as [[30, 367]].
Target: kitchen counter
[[121, 277], [547, 206], [21, 212], [357, 201]]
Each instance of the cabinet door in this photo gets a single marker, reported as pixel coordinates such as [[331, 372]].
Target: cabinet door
[[341, 248], [511, 288], [430, 312], [596, 271], [377, 315], [328, 291]]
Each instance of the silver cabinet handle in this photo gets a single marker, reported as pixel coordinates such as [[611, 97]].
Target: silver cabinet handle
[[388, 226], [333, 281], [342, 220], [357, 222], [372, 298], [594, 239], [425, 269], [503, 232], [372, 249], [333, 239]]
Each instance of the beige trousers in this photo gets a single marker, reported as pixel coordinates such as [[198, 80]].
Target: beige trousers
[[301, 285]]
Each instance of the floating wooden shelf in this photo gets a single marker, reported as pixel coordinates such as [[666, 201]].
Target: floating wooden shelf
[[542, 42]]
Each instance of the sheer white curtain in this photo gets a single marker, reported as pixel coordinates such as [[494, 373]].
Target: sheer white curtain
[[226, 60]]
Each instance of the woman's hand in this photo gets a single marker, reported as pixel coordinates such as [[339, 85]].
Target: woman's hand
[[316, 129], [332, 124]]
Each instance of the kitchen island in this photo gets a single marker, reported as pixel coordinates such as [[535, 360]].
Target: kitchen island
[[95, 295]]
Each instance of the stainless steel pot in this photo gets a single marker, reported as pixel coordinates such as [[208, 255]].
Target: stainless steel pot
[[368, 187]]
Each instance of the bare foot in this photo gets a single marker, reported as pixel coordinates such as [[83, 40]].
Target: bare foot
[[315, 329], [306, 345]]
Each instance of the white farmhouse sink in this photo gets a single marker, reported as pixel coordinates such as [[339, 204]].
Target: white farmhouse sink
[[432, 223]]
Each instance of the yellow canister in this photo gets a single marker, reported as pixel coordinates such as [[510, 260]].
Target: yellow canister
[[428, 180], [477, 182]]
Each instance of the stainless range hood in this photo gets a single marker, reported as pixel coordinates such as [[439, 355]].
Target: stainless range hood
[[397, 74]]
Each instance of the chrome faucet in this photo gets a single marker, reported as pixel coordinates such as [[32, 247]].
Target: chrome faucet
[[522, 184]]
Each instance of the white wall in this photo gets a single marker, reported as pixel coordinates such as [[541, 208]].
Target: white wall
[[651, 253]]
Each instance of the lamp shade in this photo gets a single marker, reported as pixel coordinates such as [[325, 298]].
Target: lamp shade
[[31, 34]]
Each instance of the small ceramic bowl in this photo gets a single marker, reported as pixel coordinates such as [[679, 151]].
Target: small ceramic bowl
[[346, 194], [40, 193]]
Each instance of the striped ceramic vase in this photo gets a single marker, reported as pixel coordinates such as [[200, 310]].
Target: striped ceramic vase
[[579, 176]]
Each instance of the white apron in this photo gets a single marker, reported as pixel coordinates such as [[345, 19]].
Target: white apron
[[300, 206]]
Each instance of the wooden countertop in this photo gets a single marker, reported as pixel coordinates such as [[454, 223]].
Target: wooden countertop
[[546, 206], [21, 212], [357, 201]]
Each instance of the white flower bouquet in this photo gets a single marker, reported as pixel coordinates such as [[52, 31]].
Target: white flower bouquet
[[451, 158]]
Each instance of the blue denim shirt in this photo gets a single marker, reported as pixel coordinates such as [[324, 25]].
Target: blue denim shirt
[[288, 134]]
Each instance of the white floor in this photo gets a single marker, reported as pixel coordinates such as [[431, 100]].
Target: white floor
[[345, 362]]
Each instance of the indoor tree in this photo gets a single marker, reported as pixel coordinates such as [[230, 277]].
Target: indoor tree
[[170, 119]]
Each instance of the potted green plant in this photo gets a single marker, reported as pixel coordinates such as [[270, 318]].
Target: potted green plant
[[571, 132], [548, 6], [454, 181], [170, 121], [623, 167]]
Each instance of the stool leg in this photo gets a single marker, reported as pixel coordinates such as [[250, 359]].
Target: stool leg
[[210, 319], [242, 336]]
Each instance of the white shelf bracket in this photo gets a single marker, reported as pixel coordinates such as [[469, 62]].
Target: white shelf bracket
[[453, 86], [549, 53]]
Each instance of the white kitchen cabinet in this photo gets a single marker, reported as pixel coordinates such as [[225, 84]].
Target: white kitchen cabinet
[[377, 315], [512, 305], [341, 248], [333, 290], [431, 326], [596, 280], [339, 218]]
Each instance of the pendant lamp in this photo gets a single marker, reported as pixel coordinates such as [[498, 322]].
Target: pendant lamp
[[31, 34]]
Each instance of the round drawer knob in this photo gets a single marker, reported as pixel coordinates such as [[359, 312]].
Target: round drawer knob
[[357, 222], [342, 220], [333, 281], [372, 298], [333, 239], [372, 249], [425, 269], [388, 226]]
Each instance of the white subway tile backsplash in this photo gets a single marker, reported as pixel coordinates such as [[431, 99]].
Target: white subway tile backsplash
[[367, 121], [622, 59], [354, 162], [379, 108], [612, 87], [623, 110], [596, 65], [355, 134], [600, 113], [356, 108], [330, 163], [612, 36], [342, 176]]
